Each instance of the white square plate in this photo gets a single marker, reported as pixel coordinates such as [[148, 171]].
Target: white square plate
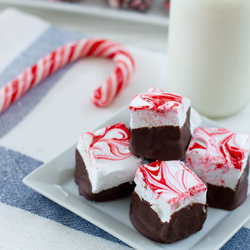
[[55, 180]]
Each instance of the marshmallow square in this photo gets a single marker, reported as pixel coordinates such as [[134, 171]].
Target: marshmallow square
[[166, 194], [219, 157], [107, 159]]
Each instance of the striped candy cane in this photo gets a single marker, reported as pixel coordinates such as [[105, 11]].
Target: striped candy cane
[[68, 53]]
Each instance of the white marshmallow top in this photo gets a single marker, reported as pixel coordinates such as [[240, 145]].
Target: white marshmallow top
[[195, 119], [107, 158], [218, 156], [169, 186], [158, 109]]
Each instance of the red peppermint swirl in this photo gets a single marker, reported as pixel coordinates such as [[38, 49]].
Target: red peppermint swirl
[[112, 144], [164, 178], [158, 100], [223, 141]]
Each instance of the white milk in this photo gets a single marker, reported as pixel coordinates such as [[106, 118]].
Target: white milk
[[209, 54]]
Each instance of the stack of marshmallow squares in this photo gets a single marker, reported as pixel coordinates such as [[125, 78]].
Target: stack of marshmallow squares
[[186, 167]]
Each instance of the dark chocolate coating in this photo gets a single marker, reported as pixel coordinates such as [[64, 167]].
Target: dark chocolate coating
[[226, 198], [182, 224], [161, 143], [85, 187]]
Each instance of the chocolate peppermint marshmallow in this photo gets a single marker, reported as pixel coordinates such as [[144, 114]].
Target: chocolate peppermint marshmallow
[[160, 126], [219, 157], [169, 201], [105, 168]]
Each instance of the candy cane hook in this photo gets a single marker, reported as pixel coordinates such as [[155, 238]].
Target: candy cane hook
[[68, 53]]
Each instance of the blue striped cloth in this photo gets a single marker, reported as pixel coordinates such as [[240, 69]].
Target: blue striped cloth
[[17, 159]]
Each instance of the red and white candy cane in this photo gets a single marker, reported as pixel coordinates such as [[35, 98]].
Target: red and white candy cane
[[58, 58]]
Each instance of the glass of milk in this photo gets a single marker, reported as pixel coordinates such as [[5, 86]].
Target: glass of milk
[[209, 54]]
